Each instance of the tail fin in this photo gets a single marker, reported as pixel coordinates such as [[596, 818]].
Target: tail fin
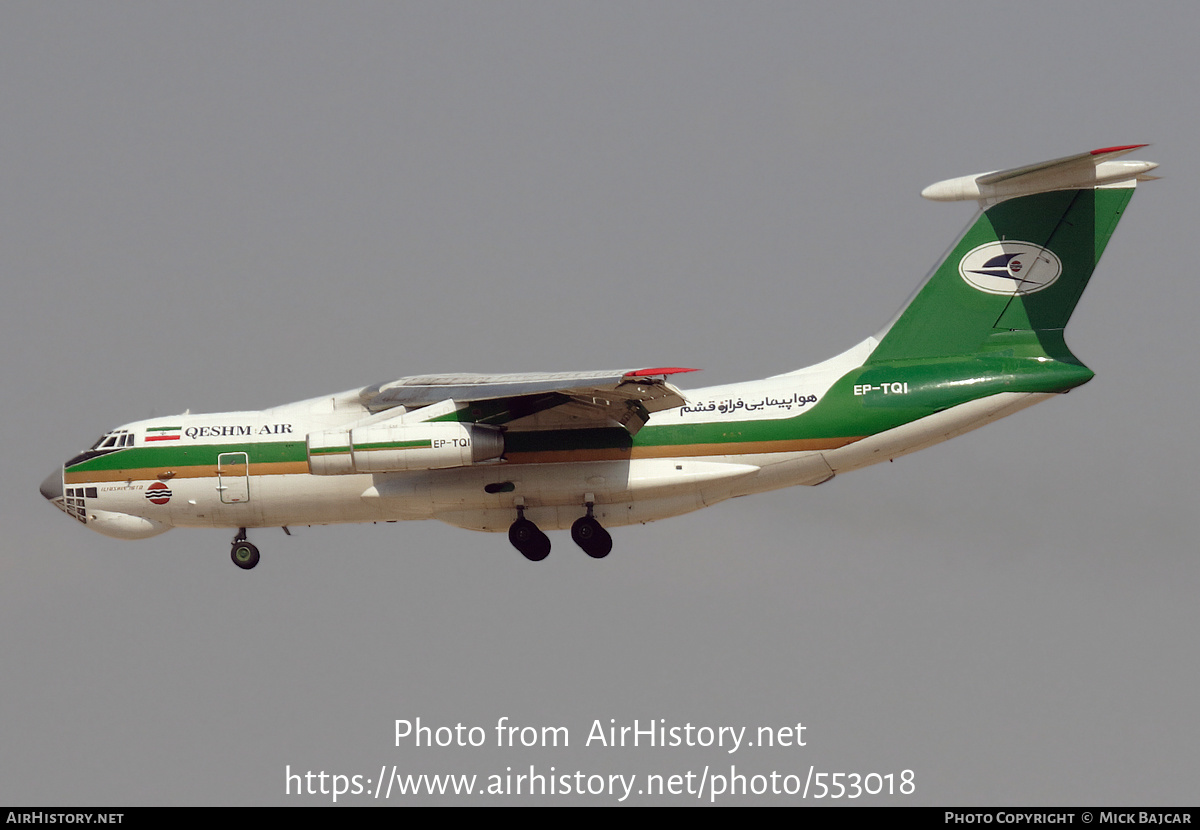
[[1017, 273]]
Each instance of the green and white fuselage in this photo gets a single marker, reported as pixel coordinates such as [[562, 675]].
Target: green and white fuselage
[[981, 339]]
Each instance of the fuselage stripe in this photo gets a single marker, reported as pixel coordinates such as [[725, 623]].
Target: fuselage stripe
[[275, 468]]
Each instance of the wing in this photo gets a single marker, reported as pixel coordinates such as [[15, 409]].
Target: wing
[[538, 400]]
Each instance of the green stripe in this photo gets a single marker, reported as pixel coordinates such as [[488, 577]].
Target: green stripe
[[329, 451], [380, 445], [395, 445], [175, 456]]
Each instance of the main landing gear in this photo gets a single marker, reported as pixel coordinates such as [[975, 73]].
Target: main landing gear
[[528, 538], [590, 535], [534, 545], [243, 554]]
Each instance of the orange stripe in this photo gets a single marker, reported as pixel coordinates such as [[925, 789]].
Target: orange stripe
[[276, 468]]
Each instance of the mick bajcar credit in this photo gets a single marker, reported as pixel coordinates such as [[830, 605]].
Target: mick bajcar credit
[[720, 778], [1075, 816]]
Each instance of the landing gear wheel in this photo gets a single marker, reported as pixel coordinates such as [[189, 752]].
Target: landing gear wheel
[[591, 536], [244, 555], [529, 540]]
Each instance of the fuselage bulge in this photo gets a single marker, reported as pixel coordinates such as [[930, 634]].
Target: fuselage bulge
[[981, 339]]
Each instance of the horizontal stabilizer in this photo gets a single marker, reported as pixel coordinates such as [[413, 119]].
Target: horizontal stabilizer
[[1097, 168]]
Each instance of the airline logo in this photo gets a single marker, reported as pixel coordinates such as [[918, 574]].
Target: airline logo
[[158, 493], [1010, 268], [163, 433]]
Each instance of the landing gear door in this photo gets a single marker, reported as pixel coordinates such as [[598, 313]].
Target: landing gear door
[[233, 477]]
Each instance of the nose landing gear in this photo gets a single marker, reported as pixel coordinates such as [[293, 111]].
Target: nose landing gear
[[590, 535], [243, 554], [528, 538]]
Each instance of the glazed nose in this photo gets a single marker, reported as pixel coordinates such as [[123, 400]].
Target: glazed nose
[[52, 487]]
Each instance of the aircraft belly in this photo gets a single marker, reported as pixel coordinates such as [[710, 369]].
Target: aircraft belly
[[623, 492], [422, 494], [930, 430], [613, 481], [784, 470], [561, 517], [640, 478]]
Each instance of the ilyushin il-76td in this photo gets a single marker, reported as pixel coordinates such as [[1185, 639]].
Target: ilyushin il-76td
[[980, 339]]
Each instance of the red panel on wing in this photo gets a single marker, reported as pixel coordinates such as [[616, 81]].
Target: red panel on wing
[[669, 370], [1104, 150]]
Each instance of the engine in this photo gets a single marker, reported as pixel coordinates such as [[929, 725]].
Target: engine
[[397, 447]]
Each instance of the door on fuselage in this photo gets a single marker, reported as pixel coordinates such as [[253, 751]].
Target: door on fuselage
[[233, 477]]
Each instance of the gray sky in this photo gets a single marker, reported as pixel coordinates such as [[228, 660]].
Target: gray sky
[[236, 207]]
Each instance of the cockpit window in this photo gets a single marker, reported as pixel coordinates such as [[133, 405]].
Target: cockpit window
[[106, 443], [114, 439]]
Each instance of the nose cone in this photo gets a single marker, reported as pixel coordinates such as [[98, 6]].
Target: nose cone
[[52, 487]]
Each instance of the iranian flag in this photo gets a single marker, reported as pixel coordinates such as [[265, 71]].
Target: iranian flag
[[163, 433]]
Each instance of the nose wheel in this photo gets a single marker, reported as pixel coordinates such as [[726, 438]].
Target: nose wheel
[[528, 538], [243, 554], [591, 536]]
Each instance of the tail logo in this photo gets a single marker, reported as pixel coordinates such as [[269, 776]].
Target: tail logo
[[1010, 268]]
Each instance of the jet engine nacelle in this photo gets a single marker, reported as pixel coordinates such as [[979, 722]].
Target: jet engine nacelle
[[397, 447]]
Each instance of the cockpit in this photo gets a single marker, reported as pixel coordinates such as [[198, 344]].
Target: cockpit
[[78, 493], [108, 442]]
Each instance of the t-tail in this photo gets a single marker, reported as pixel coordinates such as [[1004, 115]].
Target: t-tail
[[1009, 285]]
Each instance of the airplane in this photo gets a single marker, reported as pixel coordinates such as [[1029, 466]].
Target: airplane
[[980, 339]]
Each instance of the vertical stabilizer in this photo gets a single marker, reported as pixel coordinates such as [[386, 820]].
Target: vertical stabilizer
[[1019, 270]]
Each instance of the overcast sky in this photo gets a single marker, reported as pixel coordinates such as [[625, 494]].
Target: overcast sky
[[236, 206]]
